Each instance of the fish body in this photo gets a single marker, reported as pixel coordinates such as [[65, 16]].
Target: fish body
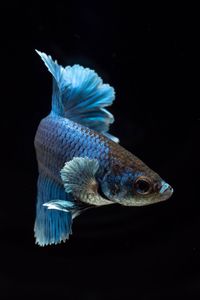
[[80, 164]]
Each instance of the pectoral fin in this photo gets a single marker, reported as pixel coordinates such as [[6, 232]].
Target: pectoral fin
[[78, 176]]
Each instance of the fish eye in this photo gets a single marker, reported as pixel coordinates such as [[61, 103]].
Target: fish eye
[[142, 185]]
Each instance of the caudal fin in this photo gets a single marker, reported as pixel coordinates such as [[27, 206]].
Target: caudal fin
[[80, 95]]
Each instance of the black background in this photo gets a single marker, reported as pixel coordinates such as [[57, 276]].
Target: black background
[[149, 56]]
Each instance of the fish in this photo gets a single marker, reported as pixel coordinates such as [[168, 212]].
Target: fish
[[81, 165]]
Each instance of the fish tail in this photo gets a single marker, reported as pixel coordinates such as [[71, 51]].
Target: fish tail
[[80, 95], [60, 85]]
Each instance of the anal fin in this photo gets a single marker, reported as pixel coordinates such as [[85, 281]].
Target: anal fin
[[51, 226]]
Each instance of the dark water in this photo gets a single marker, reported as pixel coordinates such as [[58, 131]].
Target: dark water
[[149, 56]]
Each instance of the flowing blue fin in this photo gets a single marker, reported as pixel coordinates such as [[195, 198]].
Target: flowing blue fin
[[80, 95], [52, 226]]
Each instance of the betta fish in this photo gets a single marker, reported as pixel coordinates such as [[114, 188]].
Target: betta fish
[[80, 164]]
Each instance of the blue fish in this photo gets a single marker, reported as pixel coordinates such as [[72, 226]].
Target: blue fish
[[81, 165]]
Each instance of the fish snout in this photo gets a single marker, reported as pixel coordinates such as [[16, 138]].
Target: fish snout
[[166, 190]]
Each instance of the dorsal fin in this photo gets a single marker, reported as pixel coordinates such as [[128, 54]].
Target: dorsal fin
[[80, 95]]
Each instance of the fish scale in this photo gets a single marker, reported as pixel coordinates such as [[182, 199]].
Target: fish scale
[[67, 141]]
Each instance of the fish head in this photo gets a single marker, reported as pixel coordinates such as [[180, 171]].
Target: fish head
[[135, 185]]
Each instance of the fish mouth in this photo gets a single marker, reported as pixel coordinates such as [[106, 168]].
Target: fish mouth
[[166, 191]]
